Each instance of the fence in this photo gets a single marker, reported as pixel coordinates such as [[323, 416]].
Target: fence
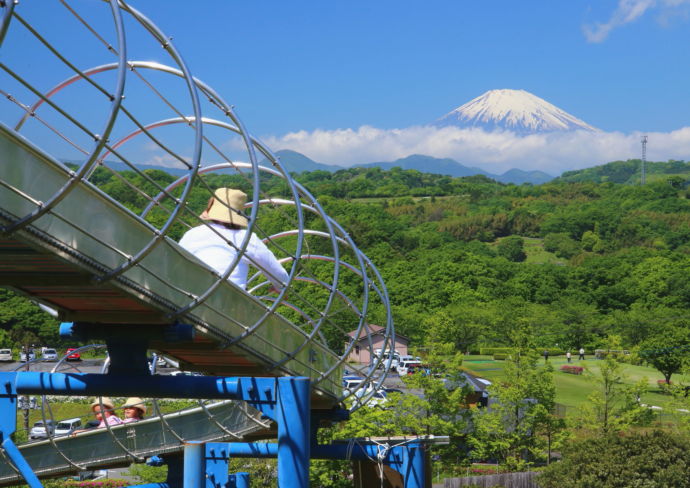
[[507, 480]]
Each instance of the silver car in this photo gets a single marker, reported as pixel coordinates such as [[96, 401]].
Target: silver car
[[6, 355], [50, 355], [41, 430]]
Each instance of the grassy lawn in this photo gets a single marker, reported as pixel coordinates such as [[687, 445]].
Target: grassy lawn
[[573, 390]]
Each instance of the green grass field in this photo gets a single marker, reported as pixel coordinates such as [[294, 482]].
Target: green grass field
[[573, 390]]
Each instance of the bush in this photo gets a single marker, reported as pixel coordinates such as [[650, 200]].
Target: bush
[[572, 369], [641, 460], [500, 357]]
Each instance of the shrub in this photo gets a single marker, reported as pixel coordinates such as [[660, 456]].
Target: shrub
[[651, 459], [572, 369], [500, 357]]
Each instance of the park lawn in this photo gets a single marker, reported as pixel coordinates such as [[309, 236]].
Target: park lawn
[[572, 390]]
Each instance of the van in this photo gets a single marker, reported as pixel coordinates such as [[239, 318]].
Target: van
[[5, 354], [66, 427], [406, 367]]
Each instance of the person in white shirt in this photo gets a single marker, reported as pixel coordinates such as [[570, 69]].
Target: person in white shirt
[[217, 242]]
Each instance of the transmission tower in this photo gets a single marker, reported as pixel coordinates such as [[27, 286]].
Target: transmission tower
[[643, 175]]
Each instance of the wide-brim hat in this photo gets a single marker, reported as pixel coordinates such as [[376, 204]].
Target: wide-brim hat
[[226, 206], [135, 402], [107, 403]]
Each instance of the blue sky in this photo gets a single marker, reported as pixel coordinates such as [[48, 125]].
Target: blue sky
[[328, 65], [356, 81]]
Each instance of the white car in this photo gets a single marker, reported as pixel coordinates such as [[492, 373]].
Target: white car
[[24, 356], [385, 356], [50, 354], [66, 427], [351, 383], [41, 431], [6, 355], [378, 398]]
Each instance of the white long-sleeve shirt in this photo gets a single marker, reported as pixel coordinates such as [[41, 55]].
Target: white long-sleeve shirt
[[213, 250]]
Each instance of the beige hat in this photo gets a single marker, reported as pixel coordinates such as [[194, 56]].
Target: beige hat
[[226, 205], [107, 403], [135, 402]]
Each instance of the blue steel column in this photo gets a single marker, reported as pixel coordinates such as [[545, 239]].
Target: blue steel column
[[8, 424], [293, 418], [413, 465], [194, 465], [239, 480]]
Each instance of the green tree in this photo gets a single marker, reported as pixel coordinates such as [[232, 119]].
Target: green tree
[[613, 406], [667, 351], [522, 403], [512, 248]]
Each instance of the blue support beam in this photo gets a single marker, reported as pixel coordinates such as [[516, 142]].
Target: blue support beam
[[293, 417], [8, 424], [194, 465], [239, 480], [210, 387]]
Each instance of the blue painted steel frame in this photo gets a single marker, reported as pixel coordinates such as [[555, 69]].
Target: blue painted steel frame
[[284, 400]]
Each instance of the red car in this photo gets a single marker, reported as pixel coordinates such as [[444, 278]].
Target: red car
[[74, 356]]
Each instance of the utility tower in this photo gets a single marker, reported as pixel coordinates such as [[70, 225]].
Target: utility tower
[[643, 175]]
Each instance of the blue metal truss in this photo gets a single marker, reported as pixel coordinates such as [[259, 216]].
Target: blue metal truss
[[284, 400]]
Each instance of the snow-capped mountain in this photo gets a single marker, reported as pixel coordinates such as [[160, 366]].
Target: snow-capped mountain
[[515, 110]]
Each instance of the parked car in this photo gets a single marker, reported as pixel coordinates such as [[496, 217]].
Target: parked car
[[351, 383], [74, 356], [66, 427], [378, 398], [406, 367], [6, 355], [50, 354], [25, 356], [185, 373], [41, 430], [385, 356]]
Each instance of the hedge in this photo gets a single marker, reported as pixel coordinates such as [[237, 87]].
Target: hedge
[[490, 351], [500, 357]]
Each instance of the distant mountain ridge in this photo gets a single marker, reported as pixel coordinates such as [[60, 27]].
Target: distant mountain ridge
[[296, 163], [514, 110]]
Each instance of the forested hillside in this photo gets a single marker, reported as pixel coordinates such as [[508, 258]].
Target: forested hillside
[[466, 260], [677, 172]]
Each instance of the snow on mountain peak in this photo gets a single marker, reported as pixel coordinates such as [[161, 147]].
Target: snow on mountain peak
[[515, 110]]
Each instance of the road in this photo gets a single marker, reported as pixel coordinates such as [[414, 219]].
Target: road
[[83, 366]]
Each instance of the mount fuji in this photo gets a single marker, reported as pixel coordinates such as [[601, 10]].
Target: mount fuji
[[514, 110]]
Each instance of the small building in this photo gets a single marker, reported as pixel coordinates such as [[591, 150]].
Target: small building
[[363, 350]]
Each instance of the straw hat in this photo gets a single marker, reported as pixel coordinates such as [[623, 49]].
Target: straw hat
[[226, 206], [135, 402], [107, 403]]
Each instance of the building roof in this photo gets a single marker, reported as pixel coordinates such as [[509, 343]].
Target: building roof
[[375, 330]]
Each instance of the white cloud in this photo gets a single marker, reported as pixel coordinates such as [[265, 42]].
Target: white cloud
[[630, 10], [495, 152]]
